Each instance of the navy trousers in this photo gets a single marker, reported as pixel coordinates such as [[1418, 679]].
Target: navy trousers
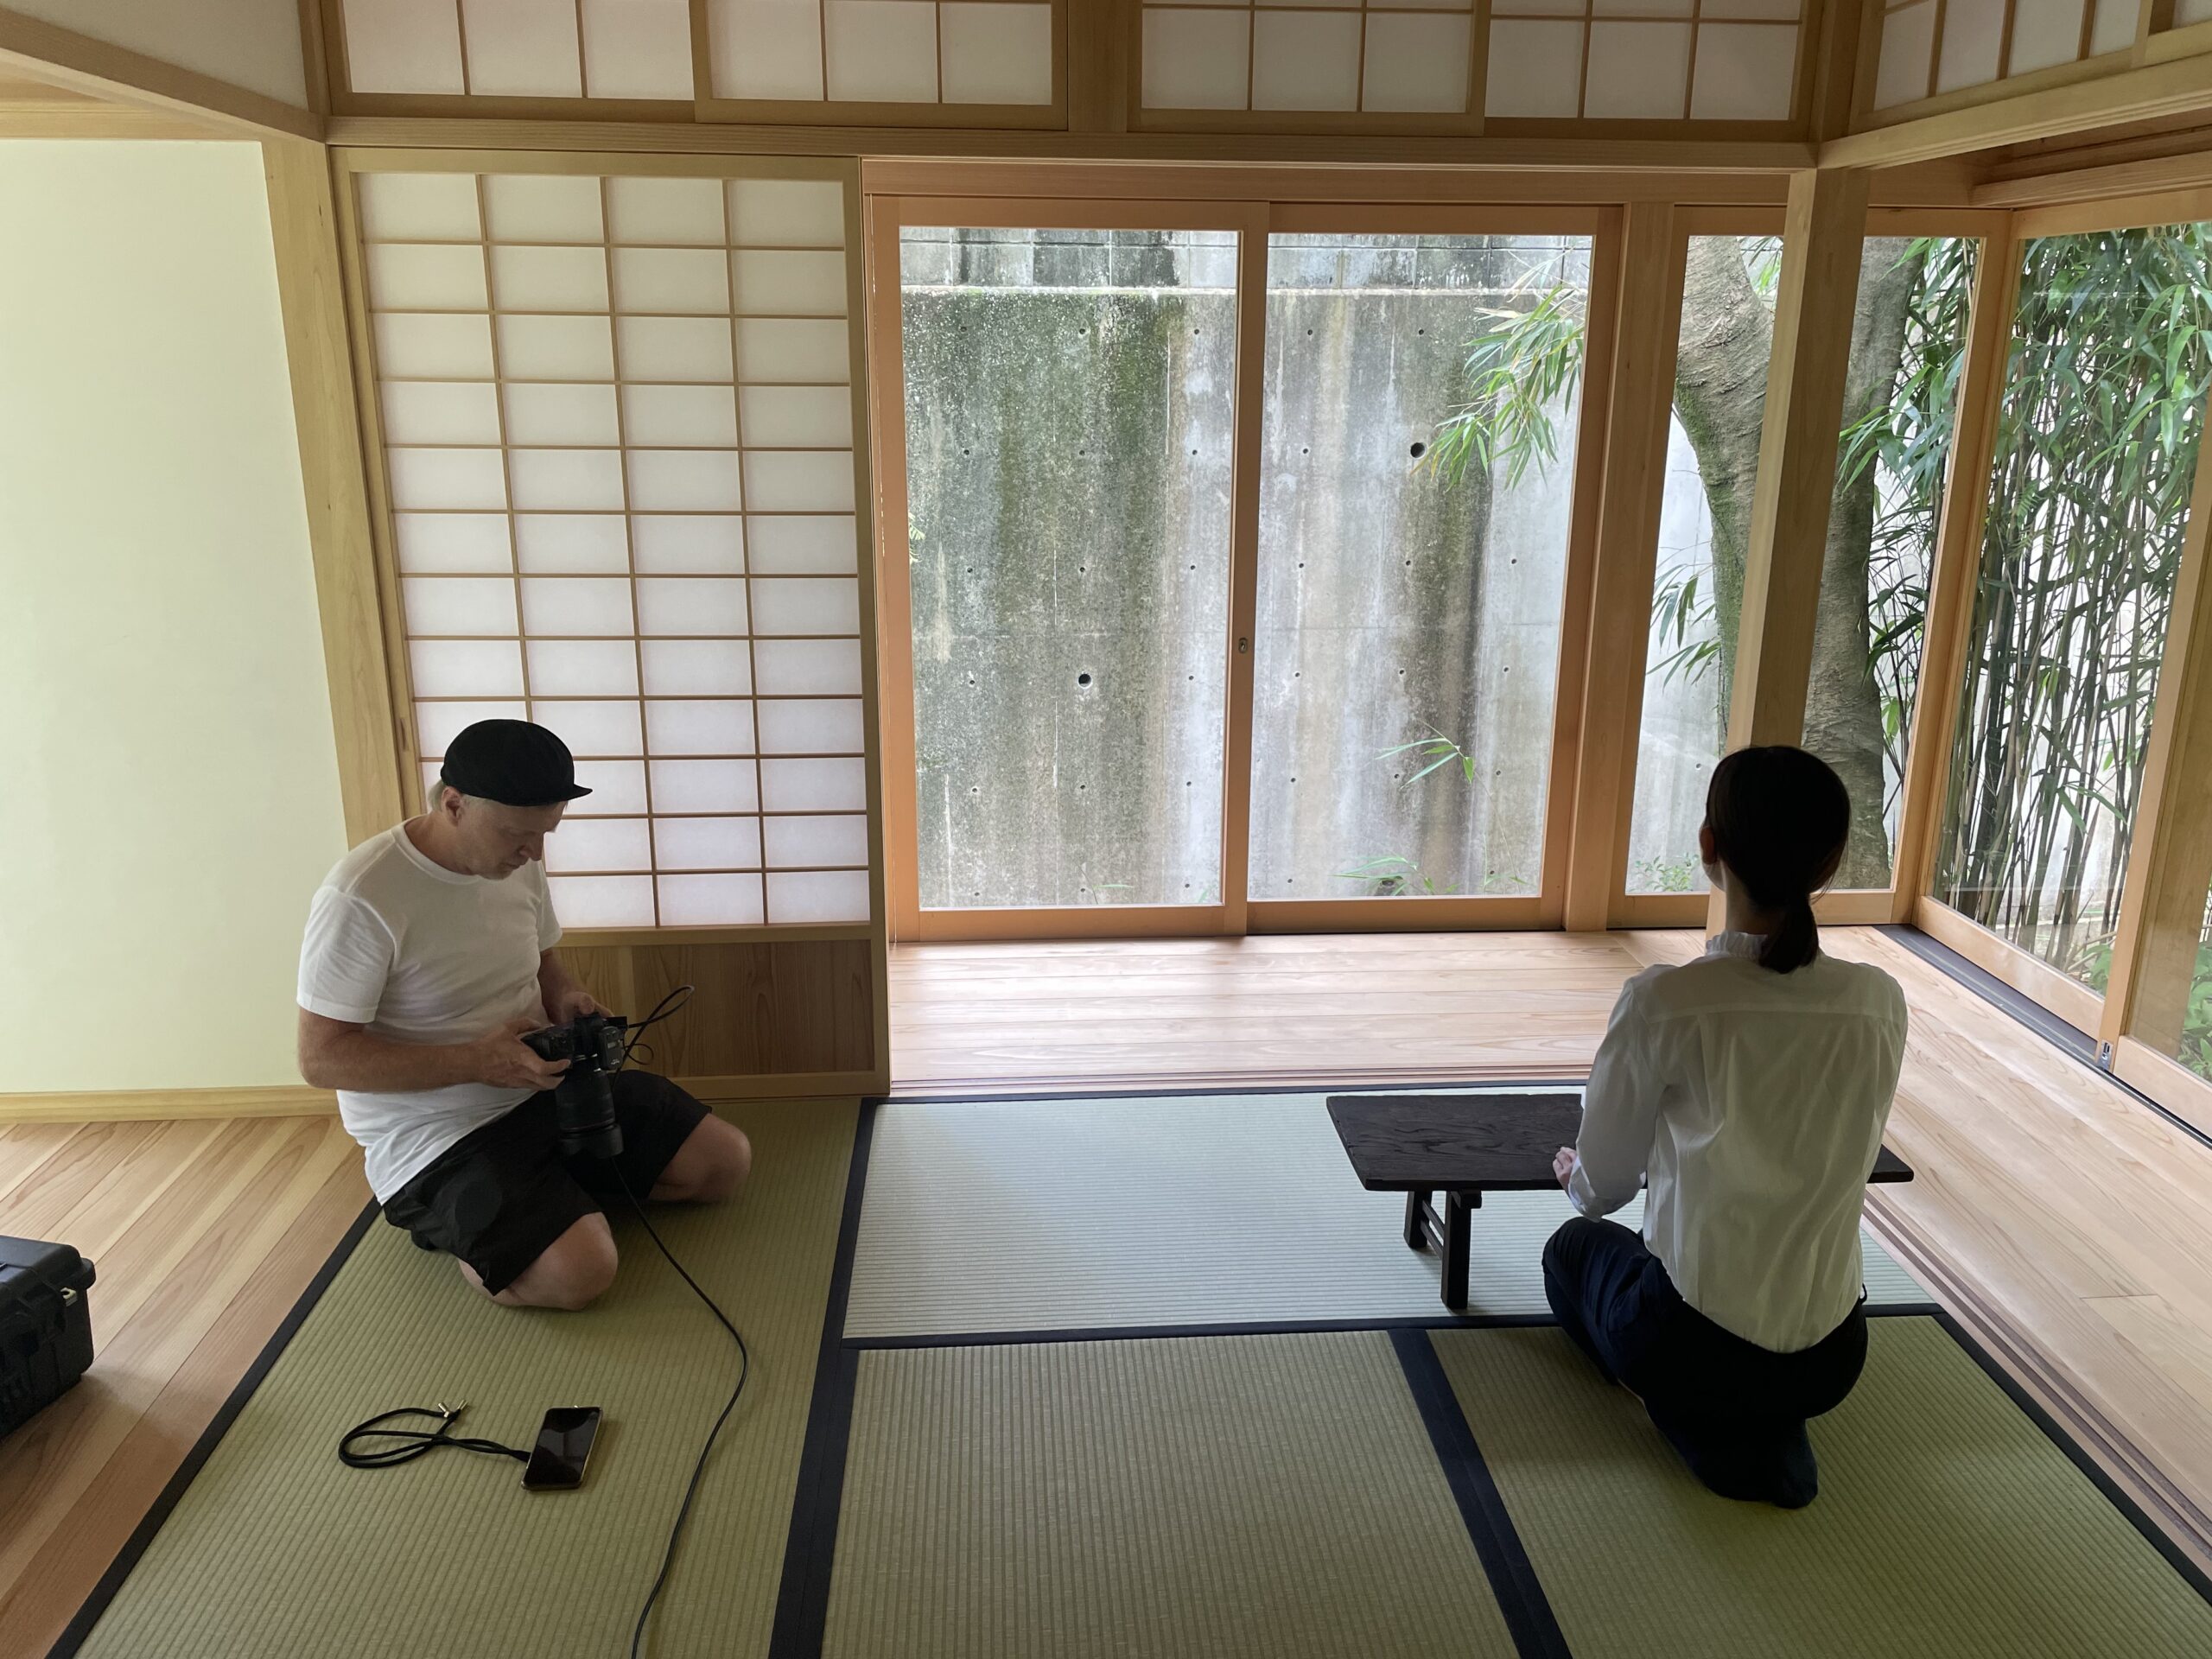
[[1735, 1411]]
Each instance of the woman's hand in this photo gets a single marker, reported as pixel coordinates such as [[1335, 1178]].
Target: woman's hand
[[1563, 1164]]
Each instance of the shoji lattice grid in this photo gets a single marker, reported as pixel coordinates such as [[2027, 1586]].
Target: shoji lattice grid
[[964, 52], [1398, 57], [520, 48], [1642, 60], [1930, 46], [617, 428]]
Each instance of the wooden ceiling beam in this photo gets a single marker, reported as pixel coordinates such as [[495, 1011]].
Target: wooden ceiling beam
[[2142, 94]]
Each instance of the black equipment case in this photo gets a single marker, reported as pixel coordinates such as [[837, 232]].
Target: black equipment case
[[46, 1325]]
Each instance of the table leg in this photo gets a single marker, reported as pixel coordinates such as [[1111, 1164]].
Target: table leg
[[1417, 1233], [1456, 1234]]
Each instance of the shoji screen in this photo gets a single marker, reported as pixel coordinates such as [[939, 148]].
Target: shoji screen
[[621, 485], [1642, 60], [1929, 47], [1397, 57], [627, 49]]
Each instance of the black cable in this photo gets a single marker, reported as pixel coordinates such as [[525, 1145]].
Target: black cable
[[661, 1010], [698, 1469], [412, 1443]]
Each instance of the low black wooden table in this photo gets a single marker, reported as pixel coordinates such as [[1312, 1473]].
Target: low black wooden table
[[1463, 1146]]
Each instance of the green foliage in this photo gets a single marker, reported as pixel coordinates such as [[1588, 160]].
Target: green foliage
[[1685, 644], [1438, 750], [2197, 1022], [1515, 377], [2095, 456], [1393, 877], [1665, 875]]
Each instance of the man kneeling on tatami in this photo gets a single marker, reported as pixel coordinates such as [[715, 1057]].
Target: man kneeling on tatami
[[429, 957]]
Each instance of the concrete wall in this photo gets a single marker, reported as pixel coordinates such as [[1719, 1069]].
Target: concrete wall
[[1068, 433], [170, 795]]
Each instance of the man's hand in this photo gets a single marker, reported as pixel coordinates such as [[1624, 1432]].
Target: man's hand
[[571, 1003], [505, 1061], [1563, 1164]]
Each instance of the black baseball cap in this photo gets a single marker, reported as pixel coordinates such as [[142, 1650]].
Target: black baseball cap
[[512, 762]]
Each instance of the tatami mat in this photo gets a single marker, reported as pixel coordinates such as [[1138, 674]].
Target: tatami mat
[[276, 1549], [1199, 1210], [1948, 1524], [1212, 1497]]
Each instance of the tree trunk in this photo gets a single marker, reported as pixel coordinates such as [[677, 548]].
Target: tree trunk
[[1843, 706], [1720, 373], [1721, 399]]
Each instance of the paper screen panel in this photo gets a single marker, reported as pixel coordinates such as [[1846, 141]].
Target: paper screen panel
[[600, 846], [1642, 60], [618, 787], [404, 46], [638, 48], [568, 49], [522, 48], [618, 423], [1400, 58], [896, 54], [1930, 48]]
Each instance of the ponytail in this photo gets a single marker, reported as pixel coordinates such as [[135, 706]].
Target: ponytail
[[1780, 818]]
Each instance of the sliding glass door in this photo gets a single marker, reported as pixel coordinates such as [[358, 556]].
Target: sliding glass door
[[1423, 397], [1233, 590]]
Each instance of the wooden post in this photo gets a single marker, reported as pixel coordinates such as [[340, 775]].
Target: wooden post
[[2169, 860], [1951, 578], [1642, 395], [303, 224], [1822, 239], [1797, 448], [1243, 568], [1098, 60]]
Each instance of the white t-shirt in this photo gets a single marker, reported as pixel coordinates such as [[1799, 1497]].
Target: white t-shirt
[[417, 953], [1755, 1103]]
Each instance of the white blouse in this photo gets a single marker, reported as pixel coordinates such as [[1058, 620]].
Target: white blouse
[[1754, 1103]]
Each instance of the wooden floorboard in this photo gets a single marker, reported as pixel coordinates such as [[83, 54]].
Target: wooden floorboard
[[204, 1235], [2067, 1224]]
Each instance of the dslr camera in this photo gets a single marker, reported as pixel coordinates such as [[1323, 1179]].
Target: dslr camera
[[594, 1046]]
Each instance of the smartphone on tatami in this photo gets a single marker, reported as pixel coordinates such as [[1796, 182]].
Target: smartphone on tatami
[[564, 1440]]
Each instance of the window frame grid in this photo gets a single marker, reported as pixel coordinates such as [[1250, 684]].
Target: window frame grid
[[1807, 24], [352, 167], [1236, 913], [1921, 788], [825, 111], [1466, 122]]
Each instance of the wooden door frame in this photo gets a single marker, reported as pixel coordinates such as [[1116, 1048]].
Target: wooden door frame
[[2167, 797], [1253, 222], [1856, 907]]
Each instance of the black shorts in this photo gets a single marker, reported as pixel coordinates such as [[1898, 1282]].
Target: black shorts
[[498, 1196]]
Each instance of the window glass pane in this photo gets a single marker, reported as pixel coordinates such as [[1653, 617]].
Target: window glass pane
[[1705, 520], [2173, 1003], [1907, 345], [1068, 439], [1418, 452], [2088, 498]]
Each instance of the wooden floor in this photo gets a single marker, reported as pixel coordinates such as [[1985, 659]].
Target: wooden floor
[[204, 1235], [2067, 1224]]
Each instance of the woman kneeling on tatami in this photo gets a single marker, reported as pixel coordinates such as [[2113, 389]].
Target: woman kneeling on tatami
[[1751, 1087]]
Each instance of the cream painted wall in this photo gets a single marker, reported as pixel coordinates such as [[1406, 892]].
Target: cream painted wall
[[168, 787], [250, 43]]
